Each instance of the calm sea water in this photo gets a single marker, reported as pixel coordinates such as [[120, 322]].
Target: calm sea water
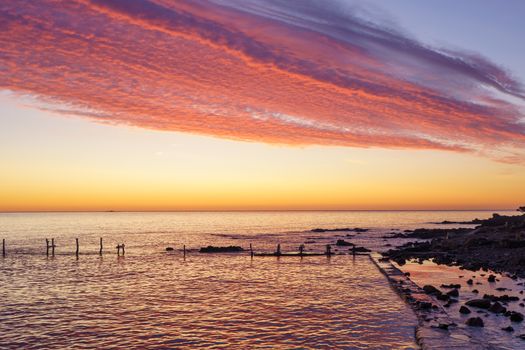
[[156, 299]]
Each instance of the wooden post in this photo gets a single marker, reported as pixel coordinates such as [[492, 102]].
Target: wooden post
[[123, 251], [52, 247], [100, 251], [353, 250], [76, 253], [301, 249], [184, 250], [278, 252], [251, 250], [328, 250], [47, 247], [3, 247]]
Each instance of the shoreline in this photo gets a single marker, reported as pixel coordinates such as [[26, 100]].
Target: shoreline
[[496, 244], [435, 328], [494, 248]]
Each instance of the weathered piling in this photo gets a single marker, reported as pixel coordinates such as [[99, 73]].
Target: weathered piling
[[100, 251], [251, 250], [301, 249], [119, 247], [184, 250], [3, 247], [76, 252], [47, 247], [52, 247], [278, 251], [328, 251]]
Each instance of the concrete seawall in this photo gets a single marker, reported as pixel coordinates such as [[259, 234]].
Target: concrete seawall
[[435, 329]]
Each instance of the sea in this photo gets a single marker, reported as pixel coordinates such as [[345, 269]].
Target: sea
[[154, 298]]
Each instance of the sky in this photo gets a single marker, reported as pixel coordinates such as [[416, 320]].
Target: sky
[[261, 105]]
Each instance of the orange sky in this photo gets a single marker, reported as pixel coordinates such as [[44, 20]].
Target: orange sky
[[72, 164]]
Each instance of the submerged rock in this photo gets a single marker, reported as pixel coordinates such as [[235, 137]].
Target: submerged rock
[[169, 249], [491, 278], [360, 249], [342, 229], [475, 322], [342, 242], [508, 329]]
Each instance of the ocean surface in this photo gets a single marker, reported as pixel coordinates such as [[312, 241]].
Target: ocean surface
[[151, 298]]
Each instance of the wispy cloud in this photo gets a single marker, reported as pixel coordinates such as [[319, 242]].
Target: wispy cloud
[[277, 71]]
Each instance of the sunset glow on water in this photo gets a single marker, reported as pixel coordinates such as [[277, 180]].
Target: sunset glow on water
[[210, 301]]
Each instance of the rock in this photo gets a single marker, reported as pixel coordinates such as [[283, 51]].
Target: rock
[[229, 249], [522, 305], [470, 282], [516, 316], [475, 322], [424, 305], [464, 310], [481, 303], [342, 242], [442, 297], [451, 286], [453, 293], [508, 329], [342, 229], [443, 326], [360, 249], [429, 289], [475, 291], [169, 249], [491, 278], [497, 308]]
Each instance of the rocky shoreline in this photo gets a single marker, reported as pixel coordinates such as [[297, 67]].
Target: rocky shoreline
[[496, 244]]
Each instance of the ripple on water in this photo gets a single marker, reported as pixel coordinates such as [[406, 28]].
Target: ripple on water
[[205, 301]]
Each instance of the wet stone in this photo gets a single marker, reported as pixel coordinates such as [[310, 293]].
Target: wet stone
[[464, 310], [475, 322]]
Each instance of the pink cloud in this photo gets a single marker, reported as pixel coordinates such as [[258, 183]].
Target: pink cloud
[[266, 71]]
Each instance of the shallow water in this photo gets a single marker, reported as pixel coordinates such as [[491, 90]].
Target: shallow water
[[153, 299], [492, 333]]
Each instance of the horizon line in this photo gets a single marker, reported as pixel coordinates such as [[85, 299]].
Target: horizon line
[[246, 210]]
